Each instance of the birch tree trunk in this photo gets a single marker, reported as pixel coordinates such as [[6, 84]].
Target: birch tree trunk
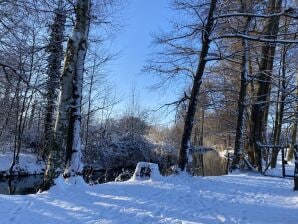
[[55, 59], [74, 164], [67, 128], [189, 120]]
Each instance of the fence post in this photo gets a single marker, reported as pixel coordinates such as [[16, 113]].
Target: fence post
[[283, 162], [259, 155], [202, 162], [296, 168]]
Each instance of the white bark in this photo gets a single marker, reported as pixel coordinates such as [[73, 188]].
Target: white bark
[[67, 128], [78, 48]]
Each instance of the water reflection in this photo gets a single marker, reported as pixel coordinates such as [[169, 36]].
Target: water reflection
[[30, 184], [20, 185]]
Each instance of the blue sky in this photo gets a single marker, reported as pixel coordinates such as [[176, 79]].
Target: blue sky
[[141, 18]]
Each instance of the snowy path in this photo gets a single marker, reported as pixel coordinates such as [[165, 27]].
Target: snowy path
[[237, 198]]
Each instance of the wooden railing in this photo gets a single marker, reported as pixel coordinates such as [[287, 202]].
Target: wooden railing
[[265, 155]]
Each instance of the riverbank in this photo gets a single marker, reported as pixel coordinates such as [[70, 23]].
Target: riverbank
[[28, 164]]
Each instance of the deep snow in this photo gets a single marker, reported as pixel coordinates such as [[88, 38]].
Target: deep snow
[[235, 198], [28, 163]]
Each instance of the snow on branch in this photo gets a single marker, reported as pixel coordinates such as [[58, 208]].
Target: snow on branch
[[257, 38], [289, 12]]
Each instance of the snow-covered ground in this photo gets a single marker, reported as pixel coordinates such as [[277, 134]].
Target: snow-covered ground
[[28, 163], [235, 198], [277, 172]]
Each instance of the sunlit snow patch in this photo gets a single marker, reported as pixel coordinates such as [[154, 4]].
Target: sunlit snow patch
[[62, 184]]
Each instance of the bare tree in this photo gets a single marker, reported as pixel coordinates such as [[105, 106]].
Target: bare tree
[[188, 123], [55, 49], [238, 148], [67, 129], [290, 153], [260, 109]]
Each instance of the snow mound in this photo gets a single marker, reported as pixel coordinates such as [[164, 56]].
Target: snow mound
[[62, 184], [146, 171]]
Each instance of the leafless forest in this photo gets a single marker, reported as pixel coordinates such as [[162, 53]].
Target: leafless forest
[[237, 60]]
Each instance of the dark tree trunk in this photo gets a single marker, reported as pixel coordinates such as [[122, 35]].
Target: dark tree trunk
[[89, 104], [280, 109], [189, 120], [201, 140], [260, 108], [280, 99], [290, 152], [55, 58], [17, 94], [199, 128], [196, 138], [238, 148], [296, 168]]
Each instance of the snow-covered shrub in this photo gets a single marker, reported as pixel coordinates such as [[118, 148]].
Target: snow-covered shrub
[[116, 144], [132, 125], [124, 175]]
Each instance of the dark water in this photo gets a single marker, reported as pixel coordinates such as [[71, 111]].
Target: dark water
[[20, 185], [30, 184]]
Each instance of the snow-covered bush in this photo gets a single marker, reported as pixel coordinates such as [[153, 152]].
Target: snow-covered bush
[[119, 143]]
